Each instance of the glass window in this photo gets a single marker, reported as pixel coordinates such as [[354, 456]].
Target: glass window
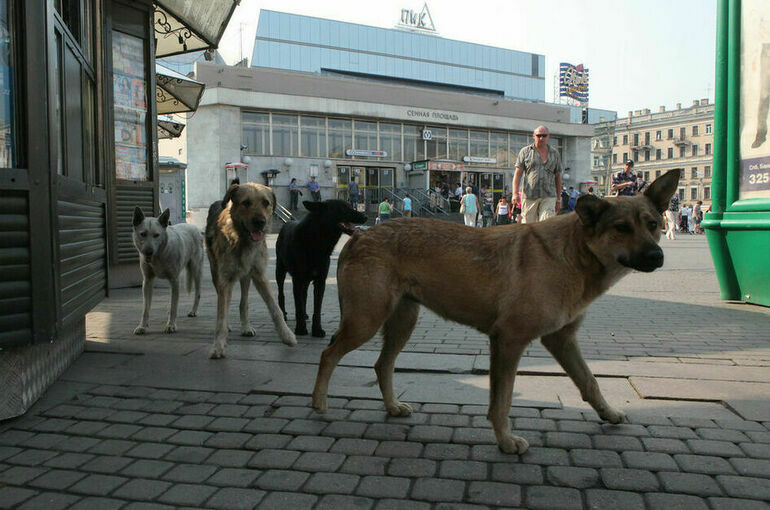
[[390, 140], [8, 124], [658, 135], [365, 134], [414, 146], [625, 139], [436, 146], [707, 172], [682, 133], [658, 153], [498, 148], [694, 150], [708, 129], [614, 140], [695, 131], [458, 144], [647, 138], [614, 158], [694, 172], [518, 142], [636, 139], [670, 134], [646, 155], [285, 135], [480, 144], [313, 131], [693, 193], [708, 149], [340, 137], [681, 152], [255, 133], [707, 193], [670, 153]]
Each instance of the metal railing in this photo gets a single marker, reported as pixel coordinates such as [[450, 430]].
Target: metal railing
[[283, 213], [428, 199]]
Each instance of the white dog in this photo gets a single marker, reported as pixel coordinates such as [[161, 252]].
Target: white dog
[[163, 252]]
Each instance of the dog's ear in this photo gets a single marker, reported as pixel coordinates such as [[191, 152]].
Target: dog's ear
[[164, 217], [274, 200], [662, 189], [138, 216], [314, 207], [590, 208], [231, 192]]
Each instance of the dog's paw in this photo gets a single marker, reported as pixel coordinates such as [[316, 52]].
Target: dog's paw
[[301, 329], [170, 328], [288, 338], [513, 444], [318, 332], [248, 331], [613, 415], [319, 404], [400, 409], [192, 314], [140, 330], [217, 352]]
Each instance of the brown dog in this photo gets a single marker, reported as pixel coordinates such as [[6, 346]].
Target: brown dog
[[235, 244], [549, 273]]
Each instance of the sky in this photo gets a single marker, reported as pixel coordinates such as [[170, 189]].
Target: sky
[[640, 54]]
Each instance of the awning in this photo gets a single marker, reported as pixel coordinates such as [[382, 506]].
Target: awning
[[189, 25], [169, 128], [174, 92]]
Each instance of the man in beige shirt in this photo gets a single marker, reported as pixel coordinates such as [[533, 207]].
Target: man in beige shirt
[[540, 165]]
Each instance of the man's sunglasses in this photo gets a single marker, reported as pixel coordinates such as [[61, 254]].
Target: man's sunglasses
[[541, 136]]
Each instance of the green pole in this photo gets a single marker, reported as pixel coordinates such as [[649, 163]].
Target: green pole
[[732, 162], [720, 111], [726, 112]]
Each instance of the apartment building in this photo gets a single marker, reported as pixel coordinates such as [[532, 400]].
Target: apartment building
[[681, 139]]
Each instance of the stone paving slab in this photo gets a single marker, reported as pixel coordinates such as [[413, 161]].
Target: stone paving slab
[[393, 462]]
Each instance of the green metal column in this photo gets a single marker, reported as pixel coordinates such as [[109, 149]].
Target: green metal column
[[712, 222]]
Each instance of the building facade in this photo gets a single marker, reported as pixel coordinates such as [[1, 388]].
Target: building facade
[[388, 108], [657, 142], [382, 135], [315, 45]]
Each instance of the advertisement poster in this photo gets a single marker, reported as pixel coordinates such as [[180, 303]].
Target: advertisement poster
[[755, 100], [130, 94]]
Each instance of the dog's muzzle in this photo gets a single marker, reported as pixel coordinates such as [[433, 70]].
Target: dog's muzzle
[[646, 262], [257, 231]]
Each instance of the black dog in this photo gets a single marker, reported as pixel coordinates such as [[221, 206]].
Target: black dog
[[303, 250]]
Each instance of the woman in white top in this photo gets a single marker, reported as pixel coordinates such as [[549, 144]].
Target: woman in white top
[[501, 213]]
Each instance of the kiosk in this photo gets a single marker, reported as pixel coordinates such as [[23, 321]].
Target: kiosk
[[738, 227]]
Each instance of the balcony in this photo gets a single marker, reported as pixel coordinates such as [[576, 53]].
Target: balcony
[[681, 141]]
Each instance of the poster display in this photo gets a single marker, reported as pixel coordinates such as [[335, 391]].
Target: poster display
[[130, 95], [755, 100]]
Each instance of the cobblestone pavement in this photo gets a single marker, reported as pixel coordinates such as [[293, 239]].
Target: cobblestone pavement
[[151, 422]]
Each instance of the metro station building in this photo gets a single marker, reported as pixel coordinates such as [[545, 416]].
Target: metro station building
[[389, 108]]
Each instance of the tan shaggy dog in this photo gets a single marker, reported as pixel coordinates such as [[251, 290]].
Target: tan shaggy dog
[[549, 272], [235, 245]]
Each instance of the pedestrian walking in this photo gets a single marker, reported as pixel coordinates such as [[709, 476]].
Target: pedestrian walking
[[353, 193], [540, 165], [624, 182], [386, 208], [407, 206], [469, 207], [671, 217], [502, 212]]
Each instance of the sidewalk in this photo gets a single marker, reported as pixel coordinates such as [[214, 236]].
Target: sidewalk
[[142, 422]]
